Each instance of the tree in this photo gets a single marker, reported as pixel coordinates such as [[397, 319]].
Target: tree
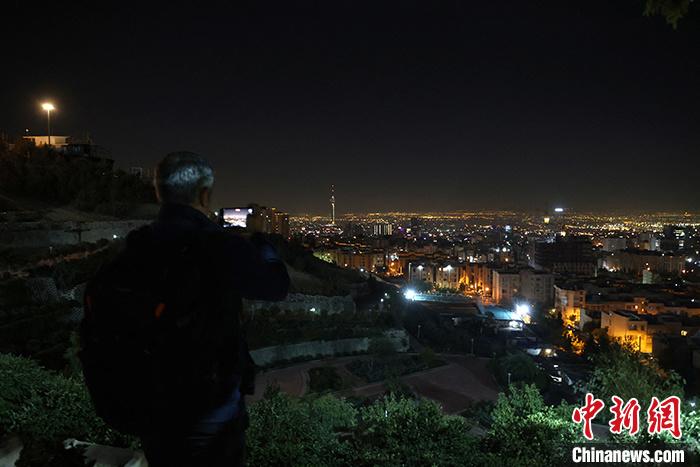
[[382, 347], [397, 431], [626, 373], [521, 369], [44, 408], [525, 431], [285, 431]]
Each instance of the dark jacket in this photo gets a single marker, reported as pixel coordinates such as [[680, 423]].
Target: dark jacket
[[236, 268], [251, 268]]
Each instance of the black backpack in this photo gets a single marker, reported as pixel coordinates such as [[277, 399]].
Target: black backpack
[[151, 340]]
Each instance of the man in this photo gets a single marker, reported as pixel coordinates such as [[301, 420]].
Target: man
[[204, 427]]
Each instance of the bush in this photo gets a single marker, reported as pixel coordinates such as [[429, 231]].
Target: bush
[[42, 407], [44, 174], [521, 368], [274, 327], [378, 369], [397, 431], [382, 346], [287, 432], [324, 378], [392, 431], [525, 431], [428, 357]]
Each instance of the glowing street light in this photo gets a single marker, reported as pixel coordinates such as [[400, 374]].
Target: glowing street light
[[48, 107], [448, 268], [523, 310]]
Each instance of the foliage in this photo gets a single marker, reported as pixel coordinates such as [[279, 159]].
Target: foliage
[[521, 369], [90, 184], [274, 327], [671, 10], [382, 347], [626, 373], [428, 357], [44, 408], [41, 406], [396, 386], [39, 331], [324, 378], [375, 369], [480, 412], [397, 431], [392, 431], [285, 431], [690, 421], [525, 431]]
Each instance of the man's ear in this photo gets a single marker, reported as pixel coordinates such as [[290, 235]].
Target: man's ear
[[205, 197], [158, 197]]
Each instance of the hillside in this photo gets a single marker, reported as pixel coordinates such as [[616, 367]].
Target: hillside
[[49, 183]]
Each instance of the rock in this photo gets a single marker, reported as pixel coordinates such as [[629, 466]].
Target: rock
[[108, 456], [10, 449], [42, 290]]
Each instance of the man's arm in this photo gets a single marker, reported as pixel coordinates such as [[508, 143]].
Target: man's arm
[[262, 274]]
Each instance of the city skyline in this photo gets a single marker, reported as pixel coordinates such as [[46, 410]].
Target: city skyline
[[411, 108]]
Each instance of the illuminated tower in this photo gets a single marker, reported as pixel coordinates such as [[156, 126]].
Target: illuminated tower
[[332, 204]]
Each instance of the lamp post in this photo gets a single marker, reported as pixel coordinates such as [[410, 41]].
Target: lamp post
[[48, 106]]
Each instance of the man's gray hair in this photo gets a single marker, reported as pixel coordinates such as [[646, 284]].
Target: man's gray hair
[[180, 176]]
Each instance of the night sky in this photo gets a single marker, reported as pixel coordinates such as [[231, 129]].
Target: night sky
[[411, 106]]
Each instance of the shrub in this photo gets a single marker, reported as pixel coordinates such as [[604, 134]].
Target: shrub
[[397, 431], [324, 378], [521, 369], [375, 369], [41, 406], [525, 431], [382, 346], [428, 357], [285, 431]]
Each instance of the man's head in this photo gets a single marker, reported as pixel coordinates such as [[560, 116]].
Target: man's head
[[184, 178]]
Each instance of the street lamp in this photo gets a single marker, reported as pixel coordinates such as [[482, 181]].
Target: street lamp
[[48, 106]]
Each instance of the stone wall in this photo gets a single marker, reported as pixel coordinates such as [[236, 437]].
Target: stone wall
[[279, 353], [39, 234], [308, 303]]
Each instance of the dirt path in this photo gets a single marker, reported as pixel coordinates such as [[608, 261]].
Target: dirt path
[[455, 386]]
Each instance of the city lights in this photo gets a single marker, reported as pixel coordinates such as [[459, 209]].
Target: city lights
[[516, 222], [523, 310]]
